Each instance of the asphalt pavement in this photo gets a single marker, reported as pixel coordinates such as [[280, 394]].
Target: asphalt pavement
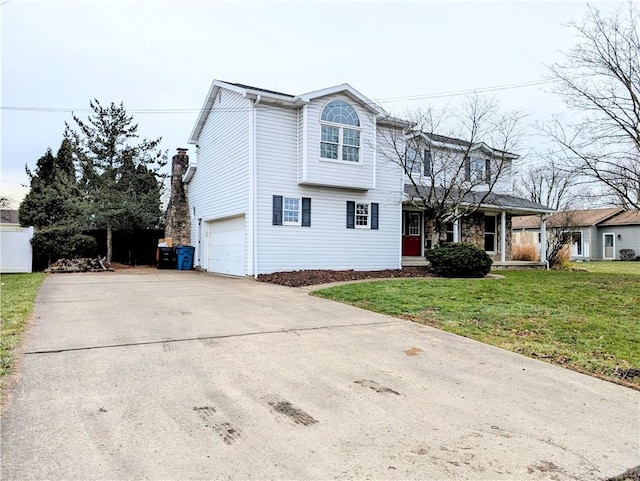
[[177, 375]]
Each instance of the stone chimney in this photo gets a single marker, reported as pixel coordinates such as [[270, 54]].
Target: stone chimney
[[177, 220]]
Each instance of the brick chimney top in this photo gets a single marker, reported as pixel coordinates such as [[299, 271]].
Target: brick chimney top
[[182, 150]]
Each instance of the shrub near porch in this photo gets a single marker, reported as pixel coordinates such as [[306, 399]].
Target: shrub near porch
[[586, 321]]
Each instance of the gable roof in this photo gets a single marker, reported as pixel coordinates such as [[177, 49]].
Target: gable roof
[[587, 217], [287, 100], [628, 217], [460, 144], [9, 216]]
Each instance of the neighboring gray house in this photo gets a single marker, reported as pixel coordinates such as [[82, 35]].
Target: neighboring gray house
[[597, 234], [619, 232], [285, 182]]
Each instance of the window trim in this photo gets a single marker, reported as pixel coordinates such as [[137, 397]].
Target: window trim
[[284, 210], [367, 216]]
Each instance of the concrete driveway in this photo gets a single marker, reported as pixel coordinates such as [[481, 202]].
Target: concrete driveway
[[147, 374]]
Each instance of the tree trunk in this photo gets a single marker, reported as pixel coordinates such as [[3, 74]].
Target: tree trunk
[[109, 242]]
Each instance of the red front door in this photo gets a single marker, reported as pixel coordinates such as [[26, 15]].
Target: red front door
[[411, 234]]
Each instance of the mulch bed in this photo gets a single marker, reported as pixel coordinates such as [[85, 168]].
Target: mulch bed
[[313, 277]]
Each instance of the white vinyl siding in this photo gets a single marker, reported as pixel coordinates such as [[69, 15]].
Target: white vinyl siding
[[446, 165], [327, 243], [320, 171], [220, 186]]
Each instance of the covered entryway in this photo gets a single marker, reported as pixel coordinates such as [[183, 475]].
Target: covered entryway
[[411, 235], [226, 248]]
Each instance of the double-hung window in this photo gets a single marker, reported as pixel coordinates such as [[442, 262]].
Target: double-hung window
[[362, 216], [477, 169], [291, 211], [418, 165], [340, 132]]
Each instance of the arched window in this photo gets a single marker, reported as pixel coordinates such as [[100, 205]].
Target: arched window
[[338, 142]]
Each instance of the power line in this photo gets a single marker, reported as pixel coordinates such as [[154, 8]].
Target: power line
[[409, 98], [466, 92]]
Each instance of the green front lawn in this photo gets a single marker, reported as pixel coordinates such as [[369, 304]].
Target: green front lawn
[[18, 295], [588, 321], [610, 267]]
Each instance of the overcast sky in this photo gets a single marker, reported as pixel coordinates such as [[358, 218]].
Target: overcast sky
[[160, 57]]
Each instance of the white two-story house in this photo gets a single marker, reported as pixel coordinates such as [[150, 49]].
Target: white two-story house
[[285, 182]]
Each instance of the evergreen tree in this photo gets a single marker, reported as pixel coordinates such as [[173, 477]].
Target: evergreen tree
[[119, 173], [55, 208]]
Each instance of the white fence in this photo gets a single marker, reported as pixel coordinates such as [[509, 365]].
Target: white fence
[[15, 249]]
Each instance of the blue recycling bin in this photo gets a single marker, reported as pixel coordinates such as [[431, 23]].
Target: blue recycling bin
[[184, 256]]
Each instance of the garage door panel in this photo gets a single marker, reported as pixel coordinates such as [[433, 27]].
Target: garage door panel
[[226, 254]]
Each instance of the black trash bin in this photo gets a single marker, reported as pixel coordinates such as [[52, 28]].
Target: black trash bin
[[167, 258]]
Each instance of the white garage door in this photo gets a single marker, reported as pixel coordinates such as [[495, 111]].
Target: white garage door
[[226, 246]]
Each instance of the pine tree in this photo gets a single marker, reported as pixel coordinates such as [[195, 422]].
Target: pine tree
[[119, 173], [54, 206]]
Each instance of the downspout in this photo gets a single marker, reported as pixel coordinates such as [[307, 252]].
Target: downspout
[[503, 236], [254, 200]]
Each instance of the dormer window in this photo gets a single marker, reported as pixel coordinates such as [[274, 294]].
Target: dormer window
[[340, 132]]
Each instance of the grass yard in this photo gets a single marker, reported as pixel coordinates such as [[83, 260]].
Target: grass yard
[[18, 295], [609, 267], [587, 321]]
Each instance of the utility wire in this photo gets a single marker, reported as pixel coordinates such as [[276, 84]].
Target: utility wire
[[409, 98]]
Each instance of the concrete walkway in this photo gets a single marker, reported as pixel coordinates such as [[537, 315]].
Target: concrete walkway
[[176, 375]]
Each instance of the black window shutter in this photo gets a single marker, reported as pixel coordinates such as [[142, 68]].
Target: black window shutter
[[306, 212], [467, 168], [487, 170], [374, 215], [351, 214], [427, 162], [277, 210]]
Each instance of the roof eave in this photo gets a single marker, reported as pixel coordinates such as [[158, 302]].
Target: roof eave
[[347, 90]]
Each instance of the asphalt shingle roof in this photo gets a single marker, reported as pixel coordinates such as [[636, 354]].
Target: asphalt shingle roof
[[508, 202], [578, 217]]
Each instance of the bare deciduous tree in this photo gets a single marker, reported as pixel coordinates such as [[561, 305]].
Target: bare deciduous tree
[[601, 79], [547, 183], [455, 160], [561, 232]]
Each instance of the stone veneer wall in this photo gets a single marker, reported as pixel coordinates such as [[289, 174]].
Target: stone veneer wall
[[473, 232], [177, 220]]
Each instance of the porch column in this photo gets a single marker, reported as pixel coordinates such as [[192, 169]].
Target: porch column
[[503, 236], [456, 229], [543, 240]]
